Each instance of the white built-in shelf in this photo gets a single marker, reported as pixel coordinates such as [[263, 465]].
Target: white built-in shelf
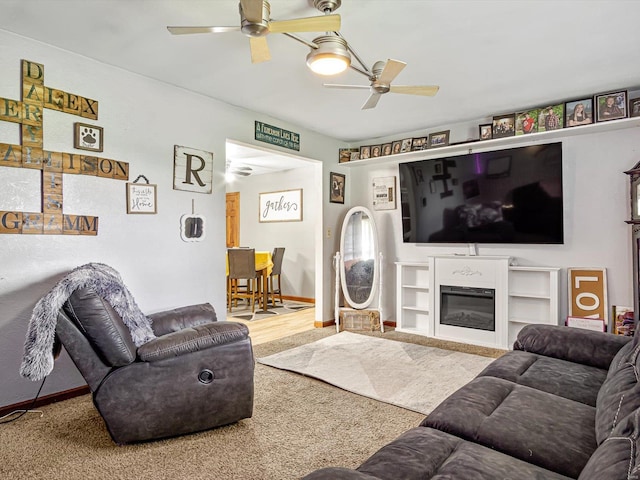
[[496, 143]]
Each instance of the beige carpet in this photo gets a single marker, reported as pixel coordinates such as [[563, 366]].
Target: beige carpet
[[299, 424], [403, 374]]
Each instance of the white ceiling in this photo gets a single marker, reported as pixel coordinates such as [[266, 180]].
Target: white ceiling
[[489, 57]]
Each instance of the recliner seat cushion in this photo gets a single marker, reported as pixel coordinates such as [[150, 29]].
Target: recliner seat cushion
[[520, 421], [570, 380]]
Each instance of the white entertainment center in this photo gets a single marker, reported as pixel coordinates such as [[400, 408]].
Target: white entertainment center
[[523, 295]]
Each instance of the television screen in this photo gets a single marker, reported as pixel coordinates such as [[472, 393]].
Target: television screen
[[503, 196]]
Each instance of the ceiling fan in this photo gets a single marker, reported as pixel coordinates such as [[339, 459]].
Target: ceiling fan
[[256, 23], [381, 76]]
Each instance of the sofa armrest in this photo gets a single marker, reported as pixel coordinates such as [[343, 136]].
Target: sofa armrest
[[182, 317], [338, 473], [577, 345], [193, 339]]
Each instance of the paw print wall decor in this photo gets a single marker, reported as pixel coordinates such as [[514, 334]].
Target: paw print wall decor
[[88, 137]]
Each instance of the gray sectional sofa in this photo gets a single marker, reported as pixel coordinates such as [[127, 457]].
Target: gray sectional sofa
[[564, 404]]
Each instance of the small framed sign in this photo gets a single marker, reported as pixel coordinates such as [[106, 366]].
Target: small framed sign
[[384, 193], [141, 198], [88, 137], [283, 206]]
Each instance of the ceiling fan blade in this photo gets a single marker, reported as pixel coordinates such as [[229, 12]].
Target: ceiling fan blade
[[337, 85], [391, 71], [425, 90], [190, 30], [259, 49], [326, 23], [372, 101], [252, 10]]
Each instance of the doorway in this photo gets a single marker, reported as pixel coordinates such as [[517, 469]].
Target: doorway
[[252, 170]]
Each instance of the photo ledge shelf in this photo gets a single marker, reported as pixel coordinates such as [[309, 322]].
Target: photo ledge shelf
[[482, 145]]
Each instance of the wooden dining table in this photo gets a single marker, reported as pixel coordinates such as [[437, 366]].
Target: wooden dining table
[[264, 266]]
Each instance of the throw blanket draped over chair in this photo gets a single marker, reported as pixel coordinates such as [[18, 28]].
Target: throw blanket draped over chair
[[38, 357]]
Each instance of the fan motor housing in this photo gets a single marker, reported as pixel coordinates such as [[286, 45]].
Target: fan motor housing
[[256, 29]]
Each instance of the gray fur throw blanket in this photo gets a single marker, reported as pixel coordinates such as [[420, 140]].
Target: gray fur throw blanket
[[38, 358]]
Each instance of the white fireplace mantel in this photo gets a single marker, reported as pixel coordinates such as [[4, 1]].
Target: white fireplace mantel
[[522, 295]]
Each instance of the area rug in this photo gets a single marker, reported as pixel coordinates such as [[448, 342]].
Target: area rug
[[410, 376], [244, 312]]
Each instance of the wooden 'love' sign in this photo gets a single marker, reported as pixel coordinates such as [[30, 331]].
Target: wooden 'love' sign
[[588, 293]]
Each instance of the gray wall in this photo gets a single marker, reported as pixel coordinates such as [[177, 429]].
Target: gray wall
[[142, 119]]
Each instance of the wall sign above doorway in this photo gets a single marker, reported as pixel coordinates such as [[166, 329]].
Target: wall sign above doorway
[[277, 136]]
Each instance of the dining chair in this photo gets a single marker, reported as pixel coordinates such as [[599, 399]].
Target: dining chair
[[242, 266], [276, 256]]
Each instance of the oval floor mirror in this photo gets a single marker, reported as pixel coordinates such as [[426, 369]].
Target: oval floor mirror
[[358, 272]]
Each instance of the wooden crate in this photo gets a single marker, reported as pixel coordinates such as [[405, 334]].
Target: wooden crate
[[359, 320]]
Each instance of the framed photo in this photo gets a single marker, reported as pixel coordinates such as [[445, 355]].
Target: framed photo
[[282, 206], [623, 323], [551, 118], [384, 193], [527, 122], [504, 126], [396, 147], [419, 143], [88, 137], [406, 145], [141, 198], [485, 131], [346, 154], [336, 187], [375, 151], [578, 112], [634, 107], [588, 293], [611, 106], [386, 149], [355, 154], [438, 139], [365, 152]]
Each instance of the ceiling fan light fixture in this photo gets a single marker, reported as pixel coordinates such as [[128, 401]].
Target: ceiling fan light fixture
[[331, 57]]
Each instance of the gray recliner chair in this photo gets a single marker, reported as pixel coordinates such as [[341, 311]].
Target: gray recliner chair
[[197, 374]]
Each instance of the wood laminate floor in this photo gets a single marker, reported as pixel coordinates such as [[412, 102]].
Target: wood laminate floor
[[279, 326]]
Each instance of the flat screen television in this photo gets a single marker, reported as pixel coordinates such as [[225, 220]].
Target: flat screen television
[[503, 196]]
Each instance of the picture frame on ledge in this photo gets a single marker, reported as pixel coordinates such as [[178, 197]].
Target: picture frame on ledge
[[365, 152], [634, 107], [485, 131], [551, 117], [504, 126], [438, 139], [611, 106], [418, 143], [578, 112]]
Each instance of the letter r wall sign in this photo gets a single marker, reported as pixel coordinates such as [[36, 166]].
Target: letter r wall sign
[[192, 170]]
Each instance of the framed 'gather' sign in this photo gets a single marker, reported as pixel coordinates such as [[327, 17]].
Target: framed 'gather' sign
[[588, 293], [282, 206]]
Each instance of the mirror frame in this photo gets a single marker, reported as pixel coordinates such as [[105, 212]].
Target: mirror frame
[[376, 267]]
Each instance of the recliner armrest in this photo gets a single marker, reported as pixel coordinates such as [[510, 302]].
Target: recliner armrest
[[577, 345], [183, 317], [193, 339]]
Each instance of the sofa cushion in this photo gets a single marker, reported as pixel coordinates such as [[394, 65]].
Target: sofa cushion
[[570, 380], [620, 393], [520, 421], [617, 456], [424, 453]]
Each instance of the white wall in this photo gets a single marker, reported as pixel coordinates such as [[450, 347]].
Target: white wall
[[298, 238], [596, 205], [142, 119]]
